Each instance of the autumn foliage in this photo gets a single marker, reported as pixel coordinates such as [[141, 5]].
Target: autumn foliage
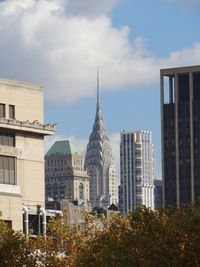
[[143, 238]]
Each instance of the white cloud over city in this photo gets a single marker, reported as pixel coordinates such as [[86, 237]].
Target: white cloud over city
[[59, 44], [89, 8]]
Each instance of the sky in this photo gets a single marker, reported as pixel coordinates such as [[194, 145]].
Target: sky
[[60, 43]]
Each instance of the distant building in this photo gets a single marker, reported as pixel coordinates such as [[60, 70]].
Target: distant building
[[180, 120], [65, 177], [136, 170], [22, 132], [76, 213], [100, 164], [120, 197], [157, 194]]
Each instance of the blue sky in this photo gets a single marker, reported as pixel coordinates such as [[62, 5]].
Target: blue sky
[[59, 44]]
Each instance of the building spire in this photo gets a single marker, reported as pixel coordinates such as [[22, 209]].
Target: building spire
[[98, 97]]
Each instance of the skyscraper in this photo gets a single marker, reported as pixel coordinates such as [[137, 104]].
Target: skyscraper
[[100, 164], [157, 194], [65, 177], [136, 170], [180, 120]]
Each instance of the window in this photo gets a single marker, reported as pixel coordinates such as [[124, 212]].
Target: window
[[138, 146], [2, 110], [138, 172], [55, 190], [138, 161], [48, 190], [62, 190], [138, 181], [139, 190], [7, 170], [7, 139], [81, 191], [11, 112], [138, 153]]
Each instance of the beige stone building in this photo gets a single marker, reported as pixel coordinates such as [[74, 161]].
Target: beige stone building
[[65, 177], [22, 132]]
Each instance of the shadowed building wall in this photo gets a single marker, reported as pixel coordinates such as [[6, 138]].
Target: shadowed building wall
[[180, 123]]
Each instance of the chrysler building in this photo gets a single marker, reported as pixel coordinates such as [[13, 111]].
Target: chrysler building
[[99, 163]]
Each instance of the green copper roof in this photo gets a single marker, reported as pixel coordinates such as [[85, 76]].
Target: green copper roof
[[64, 147]]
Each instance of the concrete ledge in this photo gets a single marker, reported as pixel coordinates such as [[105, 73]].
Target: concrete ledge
[[10, 189], [21, 85], [27, 126]]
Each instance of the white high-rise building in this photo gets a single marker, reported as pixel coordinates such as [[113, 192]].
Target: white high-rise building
[[100, 165], [136, 170]]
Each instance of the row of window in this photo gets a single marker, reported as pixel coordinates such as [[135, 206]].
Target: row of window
[[61, 162], [56, 162], [11, 111], [56, 191]]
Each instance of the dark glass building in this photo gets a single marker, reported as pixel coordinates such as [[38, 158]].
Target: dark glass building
[[180, 123], [157, 194]]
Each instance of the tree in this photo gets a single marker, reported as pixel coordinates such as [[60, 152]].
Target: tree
[[15, 250], [167, 238]]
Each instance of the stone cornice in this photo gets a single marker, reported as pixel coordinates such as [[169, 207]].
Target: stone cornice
[[27, 126], [23, 85]]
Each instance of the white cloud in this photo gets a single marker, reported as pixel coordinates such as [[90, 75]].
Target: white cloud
[[89, 8], [60, 43]]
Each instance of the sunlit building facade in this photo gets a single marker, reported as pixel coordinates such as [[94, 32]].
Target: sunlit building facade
[[22, 131], [65, 177], [136, 170], [100, 165]]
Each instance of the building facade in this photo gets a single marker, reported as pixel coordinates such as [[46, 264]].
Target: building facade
[[100, 165], [180, 124], [22, 132], [65, 177], [158, 194], [136, 170]]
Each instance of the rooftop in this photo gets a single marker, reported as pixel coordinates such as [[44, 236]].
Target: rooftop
[[179, 70], [20, 84], [63, 147]]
